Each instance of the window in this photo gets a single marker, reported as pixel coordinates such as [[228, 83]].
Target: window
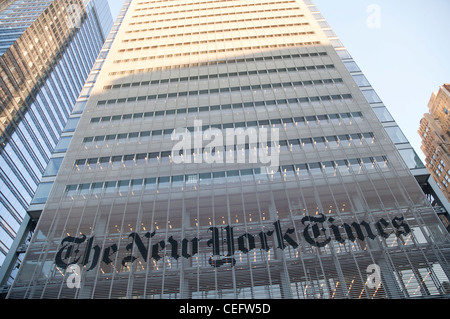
[[383, 114], [361, 80], [97, 188], [150, 183], [42, 193], [164, 181], [71, 124], [219, 177], [205, 178], [79, 107], [123, 185], [110, 186], [352, 66], [53, 166], [396, 135], [84, 189], [371, 96], [71, 190], [63, 144]]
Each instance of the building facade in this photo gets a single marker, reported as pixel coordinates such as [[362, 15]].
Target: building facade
[[47, 49], [434, 130], [233, 149]]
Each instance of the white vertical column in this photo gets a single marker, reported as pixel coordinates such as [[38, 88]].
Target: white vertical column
[[184, 283], [285, 283]]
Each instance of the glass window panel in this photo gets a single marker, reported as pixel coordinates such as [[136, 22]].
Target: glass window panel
[[191, 179], [63, 144], [136, 184], [371, 96], [150, 183], [71, 190], [383, 114], [219, 177], [343, 54], [110, 186], [396, 134], [42, 192], [71, 124], [163, 181], [361, 80], [123, 185], [352, 66], [53, 166], [79, 107], [178, 180], [205, 178], [84, 188], [411, 158], [97, 188]]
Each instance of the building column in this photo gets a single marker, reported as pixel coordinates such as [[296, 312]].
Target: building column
[[388, 280], [185, 263], [285, 283]]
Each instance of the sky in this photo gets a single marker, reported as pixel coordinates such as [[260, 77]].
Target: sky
[[115, 6], [404, 55]]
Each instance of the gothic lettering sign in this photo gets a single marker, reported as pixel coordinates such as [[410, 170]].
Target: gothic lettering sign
[[318, 231]]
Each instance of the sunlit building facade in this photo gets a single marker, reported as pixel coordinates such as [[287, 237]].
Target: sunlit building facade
[[150, 202], [434, 130], [47, 49]]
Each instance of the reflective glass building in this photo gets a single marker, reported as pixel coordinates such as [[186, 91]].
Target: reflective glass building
[[233, 149], [47, 49]]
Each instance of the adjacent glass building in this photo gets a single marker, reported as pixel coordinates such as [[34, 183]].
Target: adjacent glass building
[[232, 149], [47, 49]]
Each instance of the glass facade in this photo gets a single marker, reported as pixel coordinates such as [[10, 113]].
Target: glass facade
[[43, 67], [149, 203], [15, 17]]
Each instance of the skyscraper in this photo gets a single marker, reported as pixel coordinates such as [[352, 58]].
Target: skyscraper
[[47, 49], [233, 149], [434, 130]]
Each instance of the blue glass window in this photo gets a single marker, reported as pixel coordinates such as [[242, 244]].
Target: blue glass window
[[63, 144], [53, 166], [396, 135], [71, 124], [383, 114], [411, 158], [371, 96], [42, 193]]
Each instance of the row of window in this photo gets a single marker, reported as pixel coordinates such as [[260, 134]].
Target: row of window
[[300, 120], [204, 8], [224, 14], [304, 142], [169, 1], [237, 89], [173, 35], [212, 51], [224, 176], [209, 41], [232, 60], [175, 5], [292, 145], [199, 24], [225, 75]]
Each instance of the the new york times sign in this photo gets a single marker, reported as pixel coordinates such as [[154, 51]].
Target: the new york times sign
[[222, 250]]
